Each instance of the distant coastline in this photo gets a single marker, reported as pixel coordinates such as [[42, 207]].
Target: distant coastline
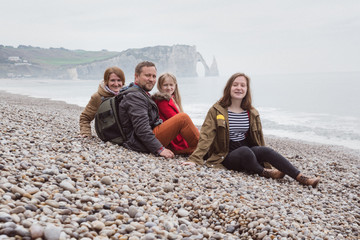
[[60, 63]]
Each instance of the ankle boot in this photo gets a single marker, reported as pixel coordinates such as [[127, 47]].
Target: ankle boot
[[272, 173], [308, 181]]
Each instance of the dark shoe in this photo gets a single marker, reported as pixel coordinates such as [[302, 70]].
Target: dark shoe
[[308, 181], [272, 173]]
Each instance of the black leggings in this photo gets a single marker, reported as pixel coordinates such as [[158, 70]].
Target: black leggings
[[251, 159]]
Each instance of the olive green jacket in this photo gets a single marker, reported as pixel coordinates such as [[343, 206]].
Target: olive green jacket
[[214, 136], [91, 108]]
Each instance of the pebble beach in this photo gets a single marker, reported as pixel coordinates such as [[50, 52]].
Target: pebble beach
[[57, 185]]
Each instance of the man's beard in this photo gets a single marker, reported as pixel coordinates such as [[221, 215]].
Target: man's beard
[[146, 87]]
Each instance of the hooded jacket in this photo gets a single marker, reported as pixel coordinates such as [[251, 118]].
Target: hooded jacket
[[91, 108], [138, 115], [214, 139], [167, 109]]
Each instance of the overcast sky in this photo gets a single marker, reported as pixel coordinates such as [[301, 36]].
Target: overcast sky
[[251, 36]]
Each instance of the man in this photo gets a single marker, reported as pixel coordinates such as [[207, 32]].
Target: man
[[139, 117]]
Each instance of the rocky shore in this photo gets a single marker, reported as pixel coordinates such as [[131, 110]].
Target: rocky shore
[[56, 185]]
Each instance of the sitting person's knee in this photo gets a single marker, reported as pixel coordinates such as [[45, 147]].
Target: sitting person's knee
[[243, 151], [184, 117]]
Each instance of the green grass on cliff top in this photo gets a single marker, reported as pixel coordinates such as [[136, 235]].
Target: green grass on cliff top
[[55, 56], [80, 57]]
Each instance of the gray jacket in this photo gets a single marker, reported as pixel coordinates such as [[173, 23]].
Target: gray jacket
[[138, 115]]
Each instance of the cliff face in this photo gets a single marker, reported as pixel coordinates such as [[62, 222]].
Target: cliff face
[[181, 60]]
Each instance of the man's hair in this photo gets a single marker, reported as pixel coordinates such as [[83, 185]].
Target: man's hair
[[139, 67]]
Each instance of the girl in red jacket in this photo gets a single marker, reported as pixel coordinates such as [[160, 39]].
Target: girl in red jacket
[[168, 101]]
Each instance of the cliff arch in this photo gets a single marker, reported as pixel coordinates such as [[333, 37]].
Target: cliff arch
[[181, 60]]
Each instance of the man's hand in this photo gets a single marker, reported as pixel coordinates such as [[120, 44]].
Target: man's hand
[[167, 153]]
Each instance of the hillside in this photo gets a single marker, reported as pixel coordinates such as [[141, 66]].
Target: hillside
[[53, 56], [28, 61], [61, 63]]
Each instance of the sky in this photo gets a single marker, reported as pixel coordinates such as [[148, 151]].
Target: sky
[[251, 36]]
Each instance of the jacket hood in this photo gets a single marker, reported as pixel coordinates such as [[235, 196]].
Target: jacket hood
[[161, 96], [102, 90], [219, 108]]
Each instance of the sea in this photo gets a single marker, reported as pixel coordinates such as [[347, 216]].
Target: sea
[[313, 107]]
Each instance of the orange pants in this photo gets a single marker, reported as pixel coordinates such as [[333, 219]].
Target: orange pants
[[178, 124]]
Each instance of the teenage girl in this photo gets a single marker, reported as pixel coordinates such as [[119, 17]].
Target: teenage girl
[[168, 101], [231, 137]]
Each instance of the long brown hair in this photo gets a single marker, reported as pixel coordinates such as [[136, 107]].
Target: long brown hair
[[118, 72], [225, 101], [176, 96]]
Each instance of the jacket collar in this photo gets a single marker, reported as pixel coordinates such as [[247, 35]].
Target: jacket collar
[[219, 108], [161, 96], [102, 90]]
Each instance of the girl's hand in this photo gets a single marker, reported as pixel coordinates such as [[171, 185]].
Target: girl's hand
[[167, 153]]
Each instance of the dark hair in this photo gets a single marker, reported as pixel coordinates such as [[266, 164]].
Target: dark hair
[[225, 101], [139, 67], [115, 70]]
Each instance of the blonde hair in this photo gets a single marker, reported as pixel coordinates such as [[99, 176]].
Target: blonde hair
[[176, 95]]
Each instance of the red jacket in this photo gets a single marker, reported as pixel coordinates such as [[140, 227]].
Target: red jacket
[[167, 109]]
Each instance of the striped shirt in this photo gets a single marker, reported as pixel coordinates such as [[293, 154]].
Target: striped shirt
[[238, 125]]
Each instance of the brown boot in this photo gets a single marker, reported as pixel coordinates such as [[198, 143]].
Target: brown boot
[[272, 173], [308, 181]]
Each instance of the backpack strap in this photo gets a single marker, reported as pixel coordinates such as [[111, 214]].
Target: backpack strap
[[115, 104]]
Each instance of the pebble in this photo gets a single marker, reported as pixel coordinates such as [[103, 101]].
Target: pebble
[[97, 225], [183, 213], [36, 231], [67, 185], [132, 211], [52, 232], [106, 180], [168, 187], [18, 210], [55, 185], [4, 217], [262, 234], [22, 231]]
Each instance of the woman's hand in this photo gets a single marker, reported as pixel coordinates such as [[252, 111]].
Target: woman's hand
[[188, 163], [84, 136]]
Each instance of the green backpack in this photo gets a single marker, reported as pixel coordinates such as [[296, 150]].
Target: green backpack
[[107, 123]]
